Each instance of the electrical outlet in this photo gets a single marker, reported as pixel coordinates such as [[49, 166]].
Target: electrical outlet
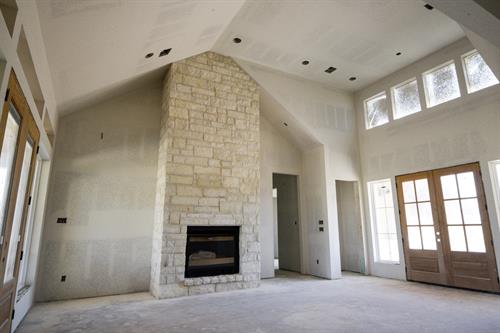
[[63, 220], [63, 278]]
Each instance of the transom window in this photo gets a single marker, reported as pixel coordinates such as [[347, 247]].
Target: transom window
[[376, 112], [477, 73], [405, 99], [385, 238], [441, 84]]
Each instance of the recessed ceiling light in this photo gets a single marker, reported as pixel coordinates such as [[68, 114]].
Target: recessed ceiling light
[[330, 70], [352, 78], [398, 54], [285, 124], [305, 62], [429, 7], [164, 52], [149, 55], [236, 40]]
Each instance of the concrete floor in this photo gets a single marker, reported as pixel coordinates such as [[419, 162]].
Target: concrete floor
[[289, 303]]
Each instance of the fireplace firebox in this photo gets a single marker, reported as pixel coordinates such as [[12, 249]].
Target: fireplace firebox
[[212, 251]]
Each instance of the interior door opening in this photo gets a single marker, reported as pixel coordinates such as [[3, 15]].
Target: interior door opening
[[352, 256], [286, 222], [446, 231]]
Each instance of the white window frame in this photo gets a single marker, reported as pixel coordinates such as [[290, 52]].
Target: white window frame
[[393, 101], [23, 278], [495, 182], [464, 67], [373, 219], [426, 89], [365, 104]]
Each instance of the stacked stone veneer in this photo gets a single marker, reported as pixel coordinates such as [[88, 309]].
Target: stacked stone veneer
[[208, 170]]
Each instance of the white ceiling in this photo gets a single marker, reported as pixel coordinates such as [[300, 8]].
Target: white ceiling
[[97, 48], [358, 37]]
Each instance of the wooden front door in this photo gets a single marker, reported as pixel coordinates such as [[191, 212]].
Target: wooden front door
[[18, 148], [460, 252], [420, 227]]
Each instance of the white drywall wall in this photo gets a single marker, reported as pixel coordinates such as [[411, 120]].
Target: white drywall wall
[[328, 117], [105, 186], [456, 132], [278, 155]]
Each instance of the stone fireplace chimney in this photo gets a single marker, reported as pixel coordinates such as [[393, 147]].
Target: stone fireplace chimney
[[208, 171]]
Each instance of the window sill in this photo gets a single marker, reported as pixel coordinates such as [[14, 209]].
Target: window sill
[[387, 262]]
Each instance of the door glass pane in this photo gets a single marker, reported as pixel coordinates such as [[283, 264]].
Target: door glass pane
[[452, 209], [422, 188], [425, 213], [414, 242], [408, 191], [475, 238], [18, 213], [411, 214], [470, 209], [428, 238], [7, 159], [449, 187], [381, 220], [457, 238], [391, 221], [466, 185]]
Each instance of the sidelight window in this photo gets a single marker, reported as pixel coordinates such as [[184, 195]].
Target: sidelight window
[[385, 238]]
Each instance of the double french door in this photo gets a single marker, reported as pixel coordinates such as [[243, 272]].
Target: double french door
[[18, 147], [446, 231]]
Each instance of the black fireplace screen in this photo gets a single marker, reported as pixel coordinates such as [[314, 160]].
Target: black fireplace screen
[[212, 251]]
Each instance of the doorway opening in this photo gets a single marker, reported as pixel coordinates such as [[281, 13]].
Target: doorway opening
[[350, 226], [286, 222]]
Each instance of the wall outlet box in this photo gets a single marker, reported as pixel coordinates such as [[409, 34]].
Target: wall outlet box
[[62, 220]]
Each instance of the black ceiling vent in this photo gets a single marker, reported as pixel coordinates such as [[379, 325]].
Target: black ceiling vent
[[305, 62], [149, 55], [165, 52], [330, 70], [398, 54], [352, 78], [236, 40], [429, 7]]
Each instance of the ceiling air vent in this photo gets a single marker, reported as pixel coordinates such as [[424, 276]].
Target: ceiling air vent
[[429, 7]]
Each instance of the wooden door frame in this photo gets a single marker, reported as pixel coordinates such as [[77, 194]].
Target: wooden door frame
[[27, 130]]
